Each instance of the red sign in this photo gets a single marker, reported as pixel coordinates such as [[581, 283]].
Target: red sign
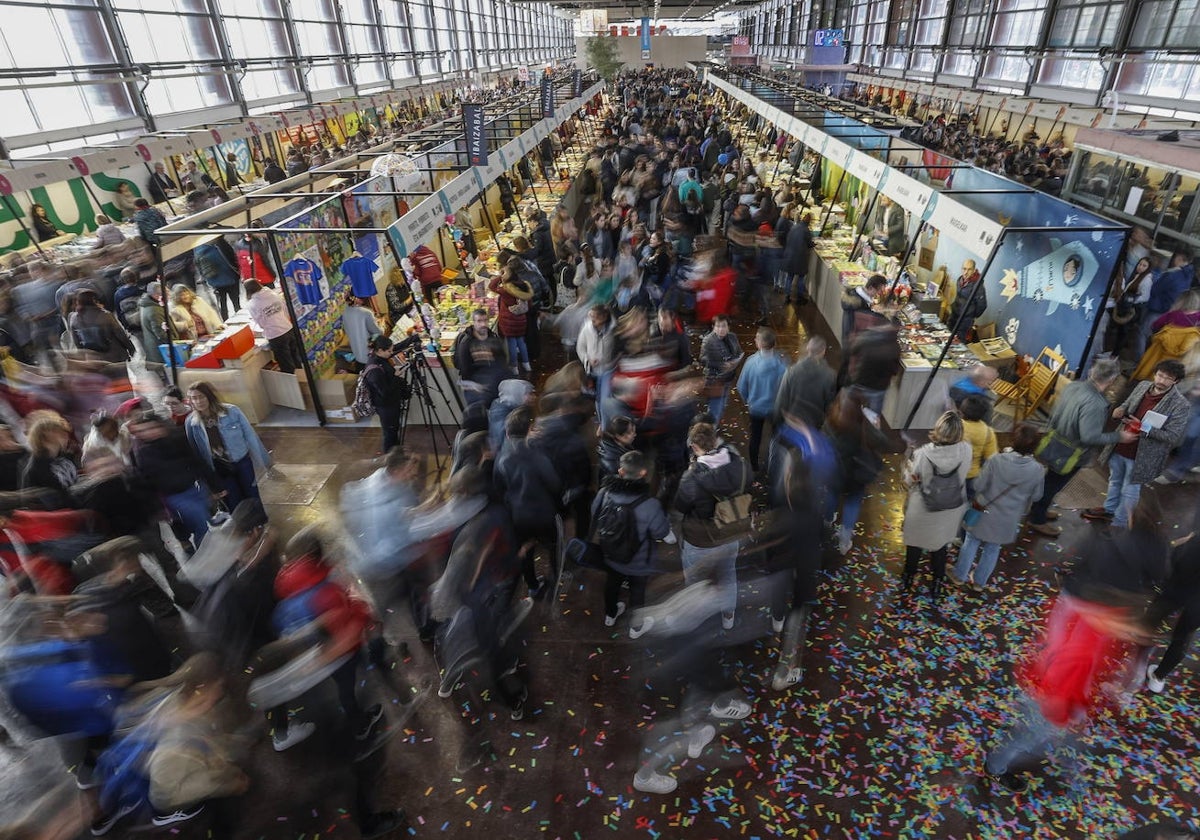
[[80, 166], [216, 137], [143, 151], [5, 186]]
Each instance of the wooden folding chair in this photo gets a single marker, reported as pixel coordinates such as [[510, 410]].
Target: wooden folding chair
[[1029, 392]]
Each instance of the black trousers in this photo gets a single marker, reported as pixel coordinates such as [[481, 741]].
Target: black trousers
[[1053, 485], [288, 350], [612, 591], [228, 298]]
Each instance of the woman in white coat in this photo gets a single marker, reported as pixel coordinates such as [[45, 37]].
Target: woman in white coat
[[193, 317], [934, 509]]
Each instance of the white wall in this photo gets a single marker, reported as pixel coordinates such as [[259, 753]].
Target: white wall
[[665, 50]]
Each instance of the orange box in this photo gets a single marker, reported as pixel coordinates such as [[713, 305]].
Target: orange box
[[236, 345]]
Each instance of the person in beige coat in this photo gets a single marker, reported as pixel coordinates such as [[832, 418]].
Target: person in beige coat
[[933, 511], [193, 317]]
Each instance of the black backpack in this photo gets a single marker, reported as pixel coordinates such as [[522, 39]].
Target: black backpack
[[615, 529], [944, 491]]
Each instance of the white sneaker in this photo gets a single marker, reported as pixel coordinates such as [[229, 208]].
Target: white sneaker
[[1153, 682], [654, 783], [297, 731], [785, 678], [701, 739], [727, 621], [845, 543], [776, 625], [1162, 479], [610, 620], [641, 629], [732, 709]]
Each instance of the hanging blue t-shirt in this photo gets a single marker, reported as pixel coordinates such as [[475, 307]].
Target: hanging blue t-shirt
[[361, 272], [304, 274]]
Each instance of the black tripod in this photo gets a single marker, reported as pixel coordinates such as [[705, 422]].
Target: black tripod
[[418, 374]]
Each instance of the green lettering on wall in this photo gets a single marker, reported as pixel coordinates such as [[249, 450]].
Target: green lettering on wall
[[20, 238], [106, 184], [83, 207]]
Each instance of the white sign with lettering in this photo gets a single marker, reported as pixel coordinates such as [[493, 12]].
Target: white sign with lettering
[[975, 232]]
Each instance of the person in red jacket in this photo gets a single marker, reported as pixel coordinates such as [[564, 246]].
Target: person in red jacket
[[511, 323], [312, 604], [428, 270], [714, 292], [254, 261], [1086, 647]]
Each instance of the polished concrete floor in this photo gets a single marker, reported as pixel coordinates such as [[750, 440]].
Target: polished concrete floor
[[884, 736]]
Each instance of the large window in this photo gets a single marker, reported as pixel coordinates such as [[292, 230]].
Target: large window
[[65, 63], [1085, 23], [1166, 23], [72, 72], [170, 33]]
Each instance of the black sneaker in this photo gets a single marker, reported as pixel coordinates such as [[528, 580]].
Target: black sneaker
[[377, 825], [518, 710], [177, 816], [371, 718], [105, 823], [1012, 782]]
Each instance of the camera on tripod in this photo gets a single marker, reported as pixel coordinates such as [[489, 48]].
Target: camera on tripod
[[408, 346]]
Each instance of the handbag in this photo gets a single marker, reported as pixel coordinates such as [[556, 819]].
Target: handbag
[[977, 509], [1058, 453], [731, 515], [586, 554]]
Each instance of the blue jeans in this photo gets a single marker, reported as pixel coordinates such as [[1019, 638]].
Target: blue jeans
[[1123, 494], [851, 508], [719, 561], [517, 350], [796, 286], [1031, 740], [1188, 455], [190, 507], [716, 405], [987, 560], [243, 484]]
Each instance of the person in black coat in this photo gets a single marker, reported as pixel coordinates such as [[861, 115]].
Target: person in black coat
[[559, 434], [526, 479], [388, 392], [185, 482], [542, 254], [794, 265]]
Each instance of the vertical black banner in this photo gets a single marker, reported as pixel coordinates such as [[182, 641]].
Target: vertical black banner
[[547, 97], [577, 84], [477, 147]]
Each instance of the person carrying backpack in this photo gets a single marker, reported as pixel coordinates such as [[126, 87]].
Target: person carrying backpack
[[627, 520], [936, 477], [712, 497]]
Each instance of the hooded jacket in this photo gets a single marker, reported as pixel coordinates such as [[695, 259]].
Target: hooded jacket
[[525, 478], [343, 617], [378, 514], [934, 529], [1008, 484], [154, 333], [649, 521], [713, 476], [560, 436], [512, 395]]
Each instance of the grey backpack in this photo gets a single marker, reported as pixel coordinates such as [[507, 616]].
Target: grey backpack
[[944, 491]]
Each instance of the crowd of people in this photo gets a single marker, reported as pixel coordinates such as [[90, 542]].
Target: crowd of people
[[1040, 163], [160, 642]]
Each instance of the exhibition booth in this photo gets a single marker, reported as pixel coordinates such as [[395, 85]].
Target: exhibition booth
[[354, 230], [1046, 264]]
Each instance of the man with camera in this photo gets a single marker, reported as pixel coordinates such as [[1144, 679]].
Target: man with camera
[[386, 387]]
